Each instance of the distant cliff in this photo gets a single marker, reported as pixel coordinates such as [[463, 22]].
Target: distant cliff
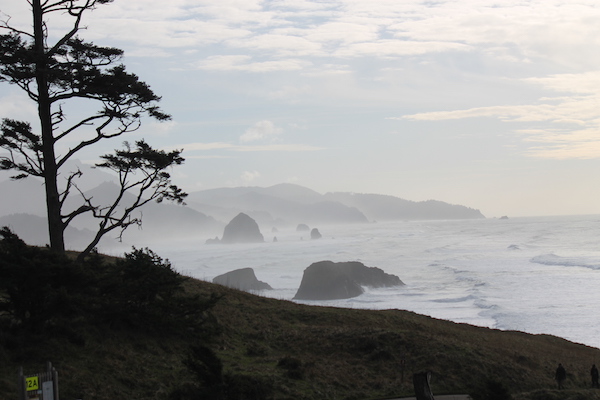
[[289, 204], [283, 204], [381, 207]]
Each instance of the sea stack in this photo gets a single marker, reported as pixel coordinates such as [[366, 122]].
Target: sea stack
[[242, 279], [242, 229], [327, 280]]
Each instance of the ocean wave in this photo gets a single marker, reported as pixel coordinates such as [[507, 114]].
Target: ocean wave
[[456, 299], [486, 308], [553, 259]]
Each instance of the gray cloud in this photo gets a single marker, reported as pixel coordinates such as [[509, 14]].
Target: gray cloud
[[262, 130]]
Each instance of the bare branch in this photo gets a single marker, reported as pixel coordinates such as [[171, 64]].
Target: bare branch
[[70, 184], [83, 122], [99, 136], [86, 207], [66, 37], [5, 24]]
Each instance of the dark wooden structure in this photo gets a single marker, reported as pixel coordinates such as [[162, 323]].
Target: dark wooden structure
[[42, 386], [422, 387]]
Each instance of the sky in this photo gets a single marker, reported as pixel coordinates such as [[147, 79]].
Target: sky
[[494, 105]]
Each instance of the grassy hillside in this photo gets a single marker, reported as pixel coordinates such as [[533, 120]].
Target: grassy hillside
[[274, 349], [362, 354]]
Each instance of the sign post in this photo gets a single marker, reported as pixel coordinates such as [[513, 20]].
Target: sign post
[[42, 386]]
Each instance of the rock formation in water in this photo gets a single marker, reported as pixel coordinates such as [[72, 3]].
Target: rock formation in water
[[302, 228], [327, 280], [242, 229], [315, 234], [242, 279]]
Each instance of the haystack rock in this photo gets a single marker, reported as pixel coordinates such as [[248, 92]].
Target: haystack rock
[[242, 229], [327, 280], [242, 279]]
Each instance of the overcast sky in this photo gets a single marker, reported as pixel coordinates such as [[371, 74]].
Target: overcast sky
[[490, 104]]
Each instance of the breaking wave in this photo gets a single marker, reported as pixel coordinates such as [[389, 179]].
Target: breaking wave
[[553, 259]]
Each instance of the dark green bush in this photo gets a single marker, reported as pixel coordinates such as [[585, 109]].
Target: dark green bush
[[206, 367], [491, 389], [143, 290], [37, 286], [292, 366], [207, 372], [246, 387], [41, 289]]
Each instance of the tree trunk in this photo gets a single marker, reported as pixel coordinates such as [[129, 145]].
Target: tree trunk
[[422, 388], [55, 224], [82, 255]]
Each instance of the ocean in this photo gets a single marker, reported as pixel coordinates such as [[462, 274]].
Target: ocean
[[538, 275]]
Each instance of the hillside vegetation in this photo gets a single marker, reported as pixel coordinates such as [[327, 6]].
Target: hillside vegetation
[[111, 335]]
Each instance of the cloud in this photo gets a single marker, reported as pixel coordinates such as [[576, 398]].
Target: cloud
[[262, 130], [342, 32], [278, 44], [541, 112], [244, 63], [574, 130], [563, 145], [249, 176], [580, 108], [16, 105], [510, 30], [582, 83], [280, 148], [217, 146], [199, 146], [326, 70], [163, 129], [288, 92], [206, 157], [397, 48]]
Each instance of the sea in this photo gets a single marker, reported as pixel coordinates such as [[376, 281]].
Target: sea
[[539, 275]]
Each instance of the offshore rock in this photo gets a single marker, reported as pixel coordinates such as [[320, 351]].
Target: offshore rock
[[315, 234], [242, 279], [302, 228], [327, 280], [242, 229]]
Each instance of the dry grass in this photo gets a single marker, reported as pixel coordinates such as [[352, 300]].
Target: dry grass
[[305, 352], [348, 353]]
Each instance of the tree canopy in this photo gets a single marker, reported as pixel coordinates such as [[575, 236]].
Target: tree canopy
[[71, 70]]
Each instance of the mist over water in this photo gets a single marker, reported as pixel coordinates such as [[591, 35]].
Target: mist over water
[[537, 275]]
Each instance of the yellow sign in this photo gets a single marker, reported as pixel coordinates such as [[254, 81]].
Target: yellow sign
[[32, 383]]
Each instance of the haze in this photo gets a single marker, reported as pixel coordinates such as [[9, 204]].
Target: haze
[[492, 105]]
